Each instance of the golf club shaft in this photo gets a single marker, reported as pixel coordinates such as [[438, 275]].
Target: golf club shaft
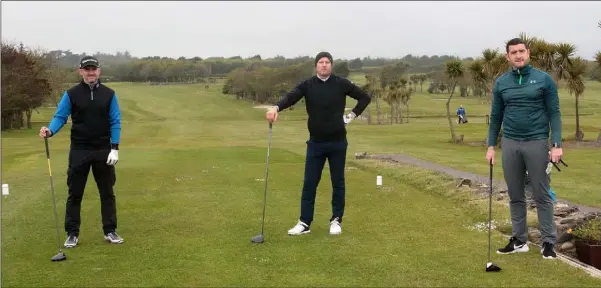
[[58, 241], [266, 177], [489, 211]]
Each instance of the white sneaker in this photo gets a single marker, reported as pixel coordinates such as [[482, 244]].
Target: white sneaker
[[299, 229], [335, 227]]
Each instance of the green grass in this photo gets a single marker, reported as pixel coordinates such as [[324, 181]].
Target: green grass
[[189, 195]]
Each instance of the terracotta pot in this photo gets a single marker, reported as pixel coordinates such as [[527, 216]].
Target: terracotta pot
[[589, 252]]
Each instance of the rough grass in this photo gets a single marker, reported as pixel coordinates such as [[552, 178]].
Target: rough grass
[[189, 195]]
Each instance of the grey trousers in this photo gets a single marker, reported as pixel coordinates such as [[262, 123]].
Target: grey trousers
[[533, 156]]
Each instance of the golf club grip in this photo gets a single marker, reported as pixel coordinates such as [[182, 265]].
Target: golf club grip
[[490, 210], [270, 125], [47, 150]]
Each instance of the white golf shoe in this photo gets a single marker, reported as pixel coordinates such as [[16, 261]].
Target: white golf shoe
[[335, 227], [299, 229]]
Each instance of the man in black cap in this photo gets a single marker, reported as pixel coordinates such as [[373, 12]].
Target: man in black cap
[[95, 136], [325, 101]]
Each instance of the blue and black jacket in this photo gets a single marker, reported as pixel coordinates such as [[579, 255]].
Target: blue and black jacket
[[95, 114]]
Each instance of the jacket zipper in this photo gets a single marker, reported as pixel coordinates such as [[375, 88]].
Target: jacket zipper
[[520, 76]]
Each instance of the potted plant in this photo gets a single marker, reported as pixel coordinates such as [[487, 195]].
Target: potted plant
[[587, 239]]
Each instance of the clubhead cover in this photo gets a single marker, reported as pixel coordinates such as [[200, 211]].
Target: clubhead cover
[[490, 267]]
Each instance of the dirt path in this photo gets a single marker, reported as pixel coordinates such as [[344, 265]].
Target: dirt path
[[500, 183]]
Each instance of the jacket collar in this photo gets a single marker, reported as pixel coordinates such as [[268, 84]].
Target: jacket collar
[[521, 71], [92, 87], [326, 79]]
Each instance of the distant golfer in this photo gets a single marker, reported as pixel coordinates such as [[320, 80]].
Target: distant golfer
[[95, 136], [461, 115], [325, 100], [525, 102]]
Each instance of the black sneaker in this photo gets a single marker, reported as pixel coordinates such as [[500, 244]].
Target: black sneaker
[[514, 246], [548, 251], [71, 241], [113, 237]]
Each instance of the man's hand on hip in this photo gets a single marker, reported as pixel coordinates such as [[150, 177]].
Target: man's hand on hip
[[113, 157], [348, 117], [556, 154]]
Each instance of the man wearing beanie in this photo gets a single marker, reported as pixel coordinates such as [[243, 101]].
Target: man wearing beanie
[[325, 100]]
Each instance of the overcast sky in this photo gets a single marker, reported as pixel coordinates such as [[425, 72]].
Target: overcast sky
[[346, 29]]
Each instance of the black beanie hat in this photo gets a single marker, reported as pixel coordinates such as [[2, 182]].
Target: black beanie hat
[[323, 54]]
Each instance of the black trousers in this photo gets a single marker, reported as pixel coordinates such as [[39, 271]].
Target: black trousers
[[317, 153], [80, 162]]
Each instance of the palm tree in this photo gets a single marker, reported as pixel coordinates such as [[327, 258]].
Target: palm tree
[[488, 59], [453, 70], [422, 78], [476, 69], [403, 98], [392, 98], [575, 84], [372, 87], [542, 54], [564, 54], [494, 64]]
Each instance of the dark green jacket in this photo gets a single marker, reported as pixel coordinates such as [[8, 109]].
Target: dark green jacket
[[525, 102]]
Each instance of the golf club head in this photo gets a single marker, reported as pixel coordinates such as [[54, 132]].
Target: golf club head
[[491, 267], [59, 257], [258, 239]]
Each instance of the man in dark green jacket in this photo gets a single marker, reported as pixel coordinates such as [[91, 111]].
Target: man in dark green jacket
[[525, 101]]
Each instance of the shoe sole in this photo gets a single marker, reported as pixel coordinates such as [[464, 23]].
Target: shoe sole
[[336, 233], [547, 257], [520, 250], [113, 242], [71, 245], [301, 233]]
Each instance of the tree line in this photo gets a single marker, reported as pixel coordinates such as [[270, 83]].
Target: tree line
[[122, 66]]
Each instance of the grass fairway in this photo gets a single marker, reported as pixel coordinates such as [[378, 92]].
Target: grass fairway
[[189, 195]]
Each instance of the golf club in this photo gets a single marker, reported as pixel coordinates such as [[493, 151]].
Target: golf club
[[60, 256], [259, 238], [557, 167], [490, 267]]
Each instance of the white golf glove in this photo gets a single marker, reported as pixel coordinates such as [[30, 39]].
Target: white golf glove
[[349, 117], [549, 168], [113, 157]]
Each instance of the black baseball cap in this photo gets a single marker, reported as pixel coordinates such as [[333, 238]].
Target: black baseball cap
[[89, 61]]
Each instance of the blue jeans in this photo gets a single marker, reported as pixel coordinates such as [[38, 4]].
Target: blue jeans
[[317, 153]]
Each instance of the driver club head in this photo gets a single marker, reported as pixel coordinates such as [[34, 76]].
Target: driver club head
[[491, 267], [59, 257], [258, 239]]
